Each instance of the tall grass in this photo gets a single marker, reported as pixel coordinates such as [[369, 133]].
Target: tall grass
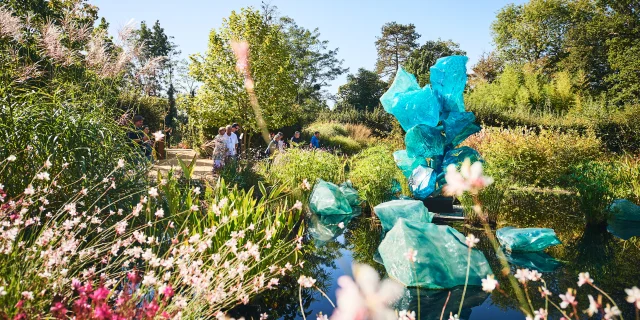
[[375, 174]]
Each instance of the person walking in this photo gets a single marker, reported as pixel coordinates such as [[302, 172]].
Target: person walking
[[315, 140], [235, 127], [232, 142], [273, 145], [296, 140], [281, 142], [219, 149]]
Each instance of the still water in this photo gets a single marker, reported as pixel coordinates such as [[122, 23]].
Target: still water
[[612, 262]]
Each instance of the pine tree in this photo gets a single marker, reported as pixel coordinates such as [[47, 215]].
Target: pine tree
[[394, 47]]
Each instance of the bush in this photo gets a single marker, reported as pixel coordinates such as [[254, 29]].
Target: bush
[[491, 198], [86, 138], [346, 145], [360, 133], [153, 109], [381, 123], [522, 156], [296, 165], [594, 183], [326, 129], [374, 173]]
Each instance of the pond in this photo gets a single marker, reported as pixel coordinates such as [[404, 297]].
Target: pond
[[612, 262]]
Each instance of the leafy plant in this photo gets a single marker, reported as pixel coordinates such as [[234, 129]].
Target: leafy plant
[[373, 172]]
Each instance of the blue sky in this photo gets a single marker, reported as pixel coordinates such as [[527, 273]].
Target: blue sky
[[351, 25]]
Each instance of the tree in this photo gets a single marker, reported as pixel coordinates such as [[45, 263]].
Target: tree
[[421, 59], [222, 98], [394, 46], [314, 64], [155, 44], [362, 90], [487, 69], [533, 32]]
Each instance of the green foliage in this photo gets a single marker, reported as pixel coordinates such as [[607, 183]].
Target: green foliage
[[525, 157], [291, 168], [594, 184], [346, 145], [362, 91], [421, 59], [154, 43], [379, 121], [223, 99], [153, 109], [349, 139], [373, 172], [598, 39], [491, 197], [394, 46]]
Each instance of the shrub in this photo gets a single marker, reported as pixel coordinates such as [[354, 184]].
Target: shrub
[[594, 183], [346, 145], [373, 172], [296, 165], [491, 198], [358, 132], [153, 109], [326, 129], [520, 156], [381, 123]]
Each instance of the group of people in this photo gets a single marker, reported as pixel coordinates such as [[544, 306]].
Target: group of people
[[142, 137], [225, 146], [279, 142]]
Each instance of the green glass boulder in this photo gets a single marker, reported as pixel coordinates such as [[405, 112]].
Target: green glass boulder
[[527, 239], [350, 193], [327, 199], [441, 260], [411, 210]]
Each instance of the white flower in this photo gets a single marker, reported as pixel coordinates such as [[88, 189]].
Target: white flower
[[544, 292], [149, 279], [306, 282], [42, 176], [158, 135], [153, 192], [3, 292], [406, 315], [469, 178], [633, 296], [305, 185], [522, 275], [47, 164], [194, 208], [264, 316], [196, 190], [120, 163], [593, 307], [489, 284], [583, 278], [11, 158], [27, 295], [568, 299], [453, 316], [321, 316], [471, 240], [534, 275], [159, 213], [341, 225], [297, 206], [29, 190], [610, 312], [540, 314], [411, 255], [366, 297]]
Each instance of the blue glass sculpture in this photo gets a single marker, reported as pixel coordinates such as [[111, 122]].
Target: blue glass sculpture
[[527, 239], [412, 210], [435, 120]]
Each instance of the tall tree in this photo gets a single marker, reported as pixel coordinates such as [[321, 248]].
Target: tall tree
[[155, 44], [222, 98], [362, 90], [314, 63], [394, 47], [487, 69], [421, 59], [533, 32]]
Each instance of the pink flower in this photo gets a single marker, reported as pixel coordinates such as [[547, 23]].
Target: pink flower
[[469, 179], [158, 135], [241, 51], [27, 295], [366, 297], [583, 278], [153, 192], [264, 316], [471, 241], [341, 225], [633, 296], [522, 275], [593, 307], [411, 255], [611, 312], [489, 284], [306, 282], [568, 299], [297, 206], [406, 315], [540, 314], [305, 185]]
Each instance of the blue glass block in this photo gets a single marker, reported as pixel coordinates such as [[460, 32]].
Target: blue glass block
[[422, 182], [527, 239], [448, 78], [457, 156], [406, 163], [417, 107], [402, 83], [458, 126], [327, 199], [441, 260], [424, 141]]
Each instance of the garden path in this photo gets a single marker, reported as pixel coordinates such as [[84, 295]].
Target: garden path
[[202, 169]]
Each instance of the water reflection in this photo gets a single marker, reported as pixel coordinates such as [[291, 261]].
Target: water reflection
[[624, 229], [611, 261]]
